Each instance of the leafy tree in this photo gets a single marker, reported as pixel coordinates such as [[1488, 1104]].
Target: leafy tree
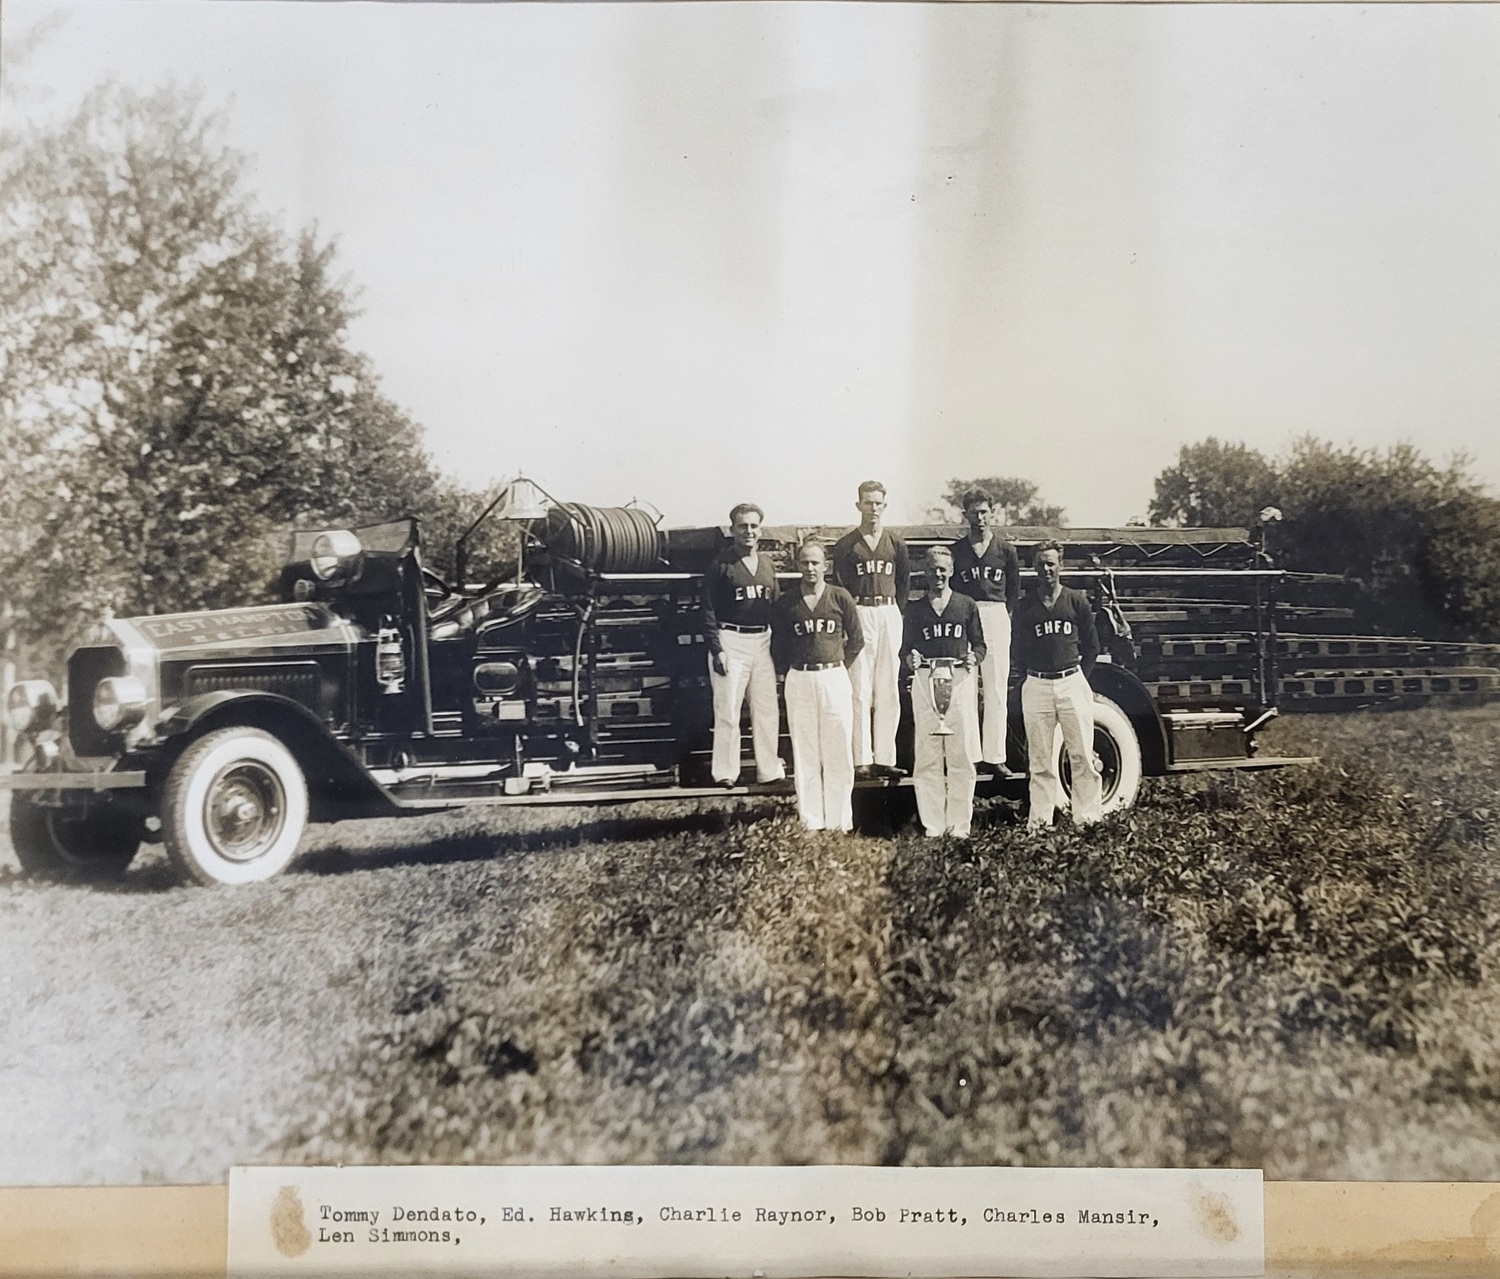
[[1371, 514], [1016, 501], [1214, 485], [1423, 540], [1460, 564], [175, 384]]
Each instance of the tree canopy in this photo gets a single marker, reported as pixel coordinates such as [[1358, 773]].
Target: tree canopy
[[176, 386], [1214, 485], [1423, 539], [1016, 501]]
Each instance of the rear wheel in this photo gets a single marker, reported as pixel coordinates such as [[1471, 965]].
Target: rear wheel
[[1117, 753], [234, 808], [86, 845]]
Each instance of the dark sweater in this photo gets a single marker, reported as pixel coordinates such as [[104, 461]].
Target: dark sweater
[[732, 594], [868, 575], [950, 633], [991, 577], [828, 633], [1055, 638]]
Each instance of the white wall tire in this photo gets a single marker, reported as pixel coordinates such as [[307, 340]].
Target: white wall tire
[[1117, 752], [234, 808]]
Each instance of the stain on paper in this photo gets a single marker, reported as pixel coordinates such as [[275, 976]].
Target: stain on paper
[[289, 1230], [1214, 1216], [1485, 1223]]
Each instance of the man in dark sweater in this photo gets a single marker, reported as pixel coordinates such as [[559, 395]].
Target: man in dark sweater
[[738, 592], [871, 564], [1056, 642], [943, 628], [987, 570], [815, 636]]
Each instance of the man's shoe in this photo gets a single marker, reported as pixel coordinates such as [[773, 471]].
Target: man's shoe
[[727, 783], [888, 770]]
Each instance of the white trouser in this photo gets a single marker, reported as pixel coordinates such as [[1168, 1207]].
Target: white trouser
[[944, 773], [994, 672], [820, 715], [875, 674], [1047, 705], [747, 659]]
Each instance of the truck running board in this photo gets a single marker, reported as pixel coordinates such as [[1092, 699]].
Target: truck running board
[[1240, 765]]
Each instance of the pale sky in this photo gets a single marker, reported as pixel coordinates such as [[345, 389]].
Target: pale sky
[[700, 253]]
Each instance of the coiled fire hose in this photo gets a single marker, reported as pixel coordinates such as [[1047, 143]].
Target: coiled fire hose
[[604, 539]]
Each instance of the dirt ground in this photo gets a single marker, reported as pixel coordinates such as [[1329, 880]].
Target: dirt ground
[[1293, 971]]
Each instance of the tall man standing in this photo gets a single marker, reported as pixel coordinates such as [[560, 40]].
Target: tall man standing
[[738, 593], [815, 637], [1057, 643], [871, 564], [987, 570], [944, 628]]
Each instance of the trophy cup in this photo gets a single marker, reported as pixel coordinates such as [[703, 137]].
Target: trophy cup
[[940, 690]]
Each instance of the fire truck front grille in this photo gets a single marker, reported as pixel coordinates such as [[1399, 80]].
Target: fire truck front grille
[[86, 668], [297, 681]]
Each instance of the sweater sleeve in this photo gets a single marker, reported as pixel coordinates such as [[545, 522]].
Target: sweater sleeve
[[1012, 577], [854, 635], [909, 627], [840, 556], [902, 562], [974, 628], [710, 613], [1088, 635], [781, 625]]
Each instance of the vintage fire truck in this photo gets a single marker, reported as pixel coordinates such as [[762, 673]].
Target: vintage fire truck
[[376, 687]]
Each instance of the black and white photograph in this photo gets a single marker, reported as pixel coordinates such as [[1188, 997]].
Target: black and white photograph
[[765, 582]]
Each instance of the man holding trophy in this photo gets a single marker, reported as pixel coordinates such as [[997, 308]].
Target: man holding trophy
[[942, 644]]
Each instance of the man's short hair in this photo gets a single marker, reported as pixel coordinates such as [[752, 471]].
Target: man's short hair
[[940, 552], [739, 510], [1051, 544], [811, 543], [871, 486], [974, 496]]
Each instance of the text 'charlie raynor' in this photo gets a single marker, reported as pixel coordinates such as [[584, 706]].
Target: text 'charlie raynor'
[[1056, 642], [815, 636], [942, 644], [738, 594]]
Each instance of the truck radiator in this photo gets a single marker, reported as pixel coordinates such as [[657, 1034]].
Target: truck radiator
[[296, 681]]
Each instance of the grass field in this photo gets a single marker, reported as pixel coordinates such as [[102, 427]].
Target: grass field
[[1291, 970]]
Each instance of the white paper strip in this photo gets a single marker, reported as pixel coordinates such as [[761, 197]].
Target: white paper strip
[[670, 1221]]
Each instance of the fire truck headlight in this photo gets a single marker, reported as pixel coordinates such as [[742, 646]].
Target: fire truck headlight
[[31, 706], [119, 702], [334, 554]]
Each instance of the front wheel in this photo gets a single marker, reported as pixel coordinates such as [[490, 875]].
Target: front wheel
[[1117, 752], [234, 808], [89, 845]]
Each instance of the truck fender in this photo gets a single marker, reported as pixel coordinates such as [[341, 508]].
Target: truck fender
[[1129, 694], [337, 779]]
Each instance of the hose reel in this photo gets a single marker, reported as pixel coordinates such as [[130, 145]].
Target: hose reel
[[605, 539]]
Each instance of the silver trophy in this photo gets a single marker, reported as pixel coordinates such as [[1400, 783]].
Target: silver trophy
[[940, 690]]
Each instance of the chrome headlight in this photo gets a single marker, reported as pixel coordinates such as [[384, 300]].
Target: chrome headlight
[[119, 702], [334, 555], [32, 705]]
